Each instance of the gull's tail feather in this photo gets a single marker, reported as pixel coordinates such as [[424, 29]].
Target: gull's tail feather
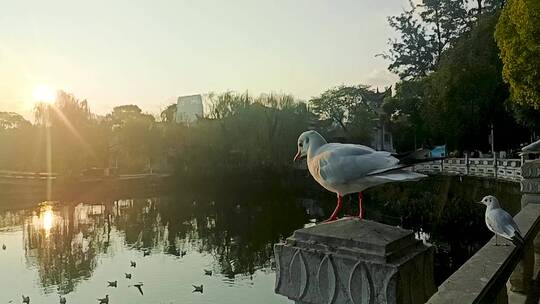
[[401, 175], [518, 240], [407, 160]]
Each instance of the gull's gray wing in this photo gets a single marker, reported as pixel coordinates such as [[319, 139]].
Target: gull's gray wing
[[346, 149], [502, 223], [342, 164]]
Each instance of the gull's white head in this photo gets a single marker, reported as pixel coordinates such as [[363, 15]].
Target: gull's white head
[[490, 201], [306, 141]]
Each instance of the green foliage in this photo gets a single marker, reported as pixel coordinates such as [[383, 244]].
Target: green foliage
[[246, 131], [454, 98], [169, 114], [467, 93], [251, 132], [446, 20], [134, 138], [407, 109], [518, 37], [411, 55], [425, 31], [352, 108]]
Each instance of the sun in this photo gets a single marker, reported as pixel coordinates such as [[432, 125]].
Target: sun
[[44, 93]]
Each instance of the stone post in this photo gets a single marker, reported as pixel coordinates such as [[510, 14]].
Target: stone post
[[467, 163], [354, 261], [522, 276], [530, 190]]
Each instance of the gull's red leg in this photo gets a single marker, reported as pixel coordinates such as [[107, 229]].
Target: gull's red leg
[[333, 217], [360, 208]]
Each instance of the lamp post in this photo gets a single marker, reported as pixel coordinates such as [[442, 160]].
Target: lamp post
[[492, 142]]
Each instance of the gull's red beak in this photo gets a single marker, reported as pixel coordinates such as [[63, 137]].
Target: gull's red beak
[[297, 156]]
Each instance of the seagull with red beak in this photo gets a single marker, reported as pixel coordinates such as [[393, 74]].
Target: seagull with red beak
[[348, 168]]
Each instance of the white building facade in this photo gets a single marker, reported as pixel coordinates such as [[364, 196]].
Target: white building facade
[[189, 108]]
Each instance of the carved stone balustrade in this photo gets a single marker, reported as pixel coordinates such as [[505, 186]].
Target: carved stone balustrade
[[354, 261]]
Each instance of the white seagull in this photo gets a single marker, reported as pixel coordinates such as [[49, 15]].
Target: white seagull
[[348, 168], [500, 222]]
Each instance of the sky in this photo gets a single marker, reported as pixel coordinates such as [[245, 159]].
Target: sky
[[148, 52]]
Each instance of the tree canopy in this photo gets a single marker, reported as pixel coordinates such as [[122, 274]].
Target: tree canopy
[[518, 37], [352, 108], [427, 29]]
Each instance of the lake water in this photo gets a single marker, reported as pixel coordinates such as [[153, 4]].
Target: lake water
[[73, 248]]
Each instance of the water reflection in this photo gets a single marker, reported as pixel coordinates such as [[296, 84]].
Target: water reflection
[[64, 242], [44, 219], [75, 247]]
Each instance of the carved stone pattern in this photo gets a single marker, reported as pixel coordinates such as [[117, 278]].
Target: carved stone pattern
[[530, 185], [531, 169], [327, 293], [302, 273], [360, 277], [278, 272], [390, 287]]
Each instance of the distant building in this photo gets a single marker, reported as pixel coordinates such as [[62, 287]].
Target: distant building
[[189, 108], [381, 138]]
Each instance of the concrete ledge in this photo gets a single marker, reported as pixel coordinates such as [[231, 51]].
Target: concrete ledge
[[485, 274]]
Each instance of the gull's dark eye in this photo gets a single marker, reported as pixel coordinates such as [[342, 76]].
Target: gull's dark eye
[[300, 145]]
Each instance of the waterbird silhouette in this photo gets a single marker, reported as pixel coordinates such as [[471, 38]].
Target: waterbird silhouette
[[146, 252], [183, 253], [112, 284], [128, 275], [500, 222], [104, 300], [139, 287], [4, 246], [207, 272], [63, 300], [198, 288], [26, 299], [348, 168], [133, 264]]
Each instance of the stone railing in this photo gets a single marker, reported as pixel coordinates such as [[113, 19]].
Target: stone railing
[[5, 174], [483, 278], [505, 169]]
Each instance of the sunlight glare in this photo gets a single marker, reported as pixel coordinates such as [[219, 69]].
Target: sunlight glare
[[46, 219], [44, 93]]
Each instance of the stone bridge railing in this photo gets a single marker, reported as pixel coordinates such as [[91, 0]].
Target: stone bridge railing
[[19, 175], [483, 278], [505, 169]]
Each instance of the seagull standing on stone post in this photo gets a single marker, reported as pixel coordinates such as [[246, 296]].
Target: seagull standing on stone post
[[500, 222], [348, 168]]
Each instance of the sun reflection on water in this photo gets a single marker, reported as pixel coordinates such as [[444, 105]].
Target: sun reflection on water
[[46, 218]]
